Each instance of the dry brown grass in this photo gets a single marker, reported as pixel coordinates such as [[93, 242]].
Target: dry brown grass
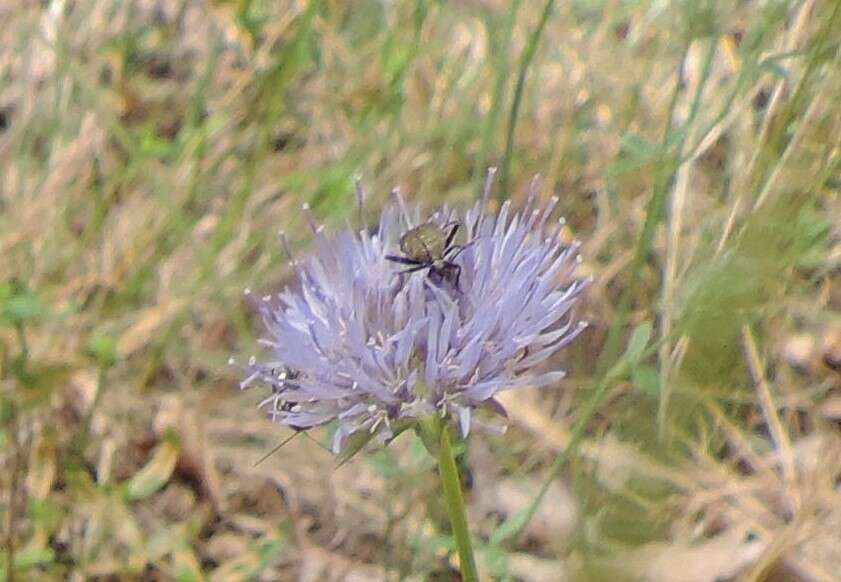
[[151, 151]]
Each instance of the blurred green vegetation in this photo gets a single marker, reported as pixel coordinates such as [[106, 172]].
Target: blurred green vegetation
[[151, 151]]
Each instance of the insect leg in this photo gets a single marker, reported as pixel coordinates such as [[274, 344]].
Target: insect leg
[[456, 248], [459, 248], [278, 447], [298, 431], [403, 260], [457, 269], [413, 269], [453, 268], [452, 234]]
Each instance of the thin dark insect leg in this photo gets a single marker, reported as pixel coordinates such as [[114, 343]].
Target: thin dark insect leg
[[445, 273], [413, 269], [457, 269], [284, 442], [452, 234], [403, 260], [278, 447], [306, 434], [455, 248], [458, 249]]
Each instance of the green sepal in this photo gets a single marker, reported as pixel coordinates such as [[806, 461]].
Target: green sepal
[[428, 429], [358, 440], [355, 443]]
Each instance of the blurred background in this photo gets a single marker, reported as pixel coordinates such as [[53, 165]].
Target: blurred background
[[150, 151]]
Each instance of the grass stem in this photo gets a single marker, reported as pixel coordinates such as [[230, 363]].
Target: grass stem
[[525, 62]]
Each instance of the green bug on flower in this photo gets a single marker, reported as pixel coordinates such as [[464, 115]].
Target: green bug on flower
[[430, 246]]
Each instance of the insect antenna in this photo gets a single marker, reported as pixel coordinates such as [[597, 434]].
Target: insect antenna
[[287, 440], [307, 435], [276, 448]]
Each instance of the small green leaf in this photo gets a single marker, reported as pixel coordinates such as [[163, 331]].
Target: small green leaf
[[385, 463], [45, 514], [496, 560], [40, 378], [638, 146], [8, 410], [355, 443], [187, 574], [511, 526], [647, 379], [775, 68], [268, 550], [7, 290], [30, 557], [635, 152], [429, 431], [186, 565], [638, 342], [103, 348], [23, 307], [155, 474]]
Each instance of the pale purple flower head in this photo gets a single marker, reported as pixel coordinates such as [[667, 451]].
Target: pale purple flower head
[[373, 349]]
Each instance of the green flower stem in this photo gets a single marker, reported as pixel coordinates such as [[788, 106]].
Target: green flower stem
[[455, 507]]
